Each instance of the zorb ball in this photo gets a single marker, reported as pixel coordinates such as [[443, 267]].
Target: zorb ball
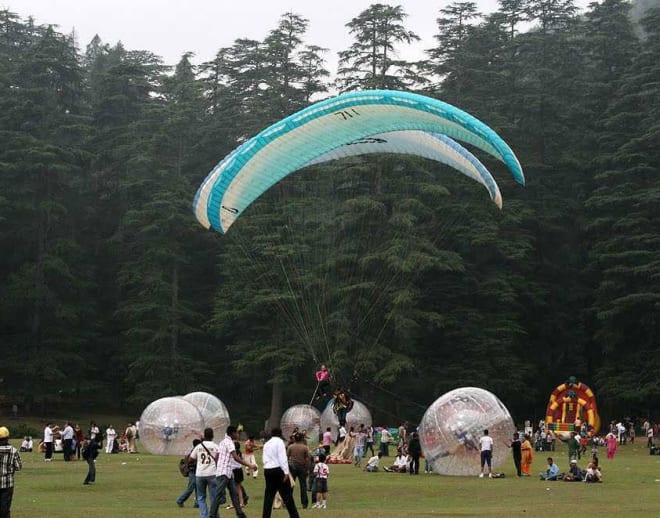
[[452, 426], [214, 412], [305, 417], [169, 425], [358, 415]]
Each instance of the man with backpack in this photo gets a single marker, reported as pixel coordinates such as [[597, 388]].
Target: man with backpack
[[205, 454]]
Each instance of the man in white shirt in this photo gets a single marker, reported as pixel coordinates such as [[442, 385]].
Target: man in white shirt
[[276, 473], [110, 436], [205, 454], [67, 441], [400, 463], [48, 442], [385, 438], [486, 445], [227, 459]]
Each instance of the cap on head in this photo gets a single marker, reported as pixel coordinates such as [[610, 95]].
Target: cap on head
[[4, 432], [573, 461]]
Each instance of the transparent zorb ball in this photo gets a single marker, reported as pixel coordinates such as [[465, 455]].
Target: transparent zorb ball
[[358, 415], [213, 410], [452, 426], [169, 425], [306, 418]]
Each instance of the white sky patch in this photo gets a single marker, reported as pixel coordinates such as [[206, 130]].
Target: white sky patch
[[169, 28]]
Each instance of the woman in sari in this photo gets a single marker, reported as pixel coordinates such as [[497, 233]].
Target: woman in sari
[[527, 456]]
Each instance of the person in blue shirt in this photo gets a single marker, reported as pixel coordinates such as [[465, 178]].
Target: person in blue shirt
[[552, 472]]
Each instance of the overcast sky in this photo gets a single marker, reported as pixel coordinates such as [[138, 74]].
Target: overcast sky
[[171, 27]]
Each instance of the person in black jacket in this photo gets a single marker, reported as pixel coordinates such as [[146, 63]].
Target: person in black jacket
[[90, 451], [516, 450], [415, 452]]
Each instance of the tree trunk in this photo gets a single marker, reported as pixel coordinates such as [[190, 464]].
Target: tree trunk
[[275, 407]]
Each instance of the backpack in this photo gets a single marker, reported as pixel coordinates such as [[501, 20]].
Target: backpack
[[184, 468]]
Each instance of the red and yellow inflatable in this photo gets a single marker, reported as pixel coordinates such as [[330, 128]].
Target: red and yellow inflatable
[[571, 404]]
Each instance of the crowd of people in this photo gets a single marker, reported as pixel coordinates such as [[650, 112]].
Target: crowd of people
[[215, 468], [69, 440]]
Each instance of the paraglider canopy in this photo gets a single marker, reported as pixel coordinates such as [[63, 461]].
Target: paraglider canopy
[[375, 120]]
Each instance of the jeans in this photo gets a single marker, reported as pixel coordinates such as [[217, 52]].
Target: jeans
[[385, 448], [91, 471], [222, 483], [369, 446], [189, 490], [299, 473], [358, 453], [201, 483], [67, 449]]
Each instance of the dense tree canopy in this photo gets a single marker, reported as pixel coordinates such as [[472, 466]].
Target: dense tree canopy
[[395, 272]]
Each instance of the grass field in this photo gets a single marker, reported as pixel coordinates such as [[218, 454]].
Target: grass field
[[146, 486]]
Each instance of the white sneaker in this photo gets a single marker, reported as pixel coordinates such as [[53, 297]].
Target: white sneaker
[[323, 506], [481, 475], [316, 505], [490, 475]]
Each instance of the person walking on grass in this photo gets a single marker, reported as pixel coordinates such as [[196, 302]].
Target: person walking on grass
[[90, 451], [190, 488], [10, 462], [321, 473], [226, 459], [205, 455], [276, 473]]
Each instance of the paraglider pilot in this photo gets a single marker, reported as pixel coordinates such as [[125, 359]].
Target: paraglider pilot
[[323, 382]]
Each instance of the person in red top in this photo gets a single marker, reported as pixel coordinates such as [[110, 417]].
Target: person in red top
[[323, 381], [250, 448]]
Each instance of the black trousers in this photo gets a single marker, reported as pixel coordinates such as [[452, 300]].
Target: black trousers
[[414, 465], [67, 449], [49, 450], [516, 460], [275, 482], [5, 502], [299, 473]]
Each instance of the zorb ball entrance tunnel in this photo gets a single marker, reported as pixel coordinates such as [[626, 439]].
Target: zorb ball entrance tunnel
[[452, 426]]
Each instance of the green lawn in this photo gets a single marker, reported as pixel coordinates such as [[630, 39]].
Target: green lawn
[[147, 486]]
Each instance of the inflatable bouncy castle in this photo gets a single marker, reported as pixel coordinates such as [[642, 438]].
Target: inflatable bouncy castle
[[572, 408]]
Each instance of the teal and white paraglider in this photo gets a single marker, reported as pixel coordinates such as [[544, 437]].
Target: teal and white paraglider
[[353, 123]]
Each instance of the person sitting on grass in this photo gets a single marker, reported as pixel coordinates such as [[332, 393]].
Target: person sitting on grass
[[400, 463], [574, 473], [552, 472], [593, 474], [372, 464], [27, 444]]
